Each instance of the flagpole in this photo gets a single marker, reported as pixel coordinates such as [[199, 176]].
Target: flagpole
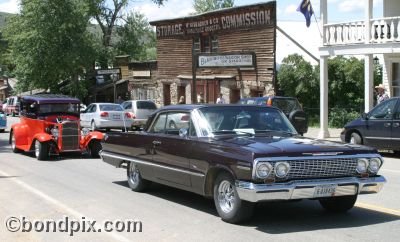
[[320, 33]]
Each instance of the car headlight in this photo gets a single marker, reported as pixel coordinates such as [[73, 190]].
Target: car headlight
[[263, 170], [374, 165], [362, 165], [55, 132], [282, 169], [85, 131]]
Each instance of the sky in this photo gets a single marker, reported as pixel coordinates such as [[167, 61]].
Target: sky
[[291, 21]]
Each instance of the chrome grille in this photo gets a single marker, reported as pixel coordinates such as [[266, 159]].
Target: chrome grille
[[321, 168], [70, 136]]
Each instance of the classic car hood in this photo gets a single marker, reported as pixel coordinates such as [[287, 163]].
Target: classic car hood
[[294, 145]]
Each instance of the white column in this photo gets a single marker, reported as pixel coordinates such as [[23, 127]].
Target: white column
[[324, 19], [368, 82], [368, 17], [323, 87]]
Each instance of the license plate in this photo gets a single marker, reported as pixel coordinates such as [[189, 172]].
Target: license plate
[[116, 116], [325, 191]]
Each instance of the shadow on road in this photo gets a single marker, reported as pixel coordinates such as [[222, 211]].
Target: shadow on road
[[279, 217], [184, 198]]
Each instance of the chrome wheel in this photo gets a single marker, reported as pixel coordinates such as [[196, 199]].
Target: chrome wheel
[[226, 196], [133, 174], [93, 126], [37, 148]]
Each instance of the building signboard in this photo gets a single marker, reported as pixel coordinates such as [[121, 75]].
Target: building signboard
[[226, 60], [237, 18]]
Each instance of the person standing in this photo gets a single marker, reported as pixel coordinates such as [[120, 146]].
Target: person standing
[[181, 100], [220, 99], [382, 96], [119, 100]]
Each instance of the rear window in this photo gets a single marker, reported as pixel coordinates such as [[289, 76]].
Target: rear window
[[287, 105], [110, 107], [145, 105]]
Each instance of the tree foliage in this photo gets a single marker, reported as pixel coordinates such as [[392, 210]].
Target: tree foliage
[[299, 78], [136, 37], [107, 13], [49, 43], [202, 6]]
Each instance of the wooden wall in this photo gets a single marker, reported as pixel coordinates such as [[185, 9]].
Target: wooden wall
[[174, 56]]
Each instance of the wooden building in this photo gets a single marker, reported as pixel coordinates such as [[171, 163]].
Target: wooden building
[[245, 29], [136, 81]]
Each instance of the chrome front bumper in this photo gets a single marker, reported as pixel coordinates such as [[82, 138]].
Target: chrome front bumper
[[306, 189]]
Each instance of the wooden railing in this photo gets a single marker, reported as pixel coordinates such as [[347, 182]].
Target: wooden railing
[[383, 30]]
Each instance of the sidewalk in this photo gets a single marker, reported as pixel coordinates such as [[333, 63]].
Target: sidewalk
[[334, 133]]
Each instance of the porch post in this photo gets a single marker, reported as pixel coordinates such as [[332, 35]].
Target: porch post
[[323, 61], [369, 82], [368, 17], [323, 86]]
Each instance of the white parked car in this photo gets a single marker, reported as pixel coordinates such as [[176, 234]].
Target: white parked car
[[139, 111], [105, 116]]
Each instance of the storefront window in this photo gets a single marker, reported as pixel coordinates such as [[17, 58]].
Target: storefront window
[[205, 44]]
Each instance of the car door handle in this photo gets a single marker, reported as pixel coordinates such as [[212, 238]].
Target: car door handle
[[396, 125], [156, 142], [387, 125]]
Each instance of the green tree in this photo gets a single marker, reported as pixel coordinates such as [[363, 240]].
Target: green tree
[[298, 78], [136, 37], [107, 13], [202, 6], [49, 43]]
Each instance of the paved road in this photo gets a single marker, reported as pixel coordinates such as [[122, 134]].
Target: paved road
[[77, 187]]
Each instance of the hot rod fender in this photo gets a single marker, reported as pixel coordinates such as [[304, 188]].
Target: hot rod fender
[[22, 137], [91, 136]]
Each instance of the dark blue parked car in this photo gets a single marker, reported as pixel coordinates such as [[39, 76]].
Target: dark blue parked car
[[380, 128]]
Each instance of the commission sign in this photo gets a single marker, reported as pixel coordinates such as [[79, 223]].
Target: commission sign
[[226, 60]]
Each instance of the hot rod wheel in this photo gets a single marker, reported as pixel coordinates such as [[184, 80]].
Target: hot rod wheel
[[41, 150]]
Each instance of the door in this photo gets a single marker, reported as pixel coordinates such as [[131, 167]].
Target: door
[[379, 125], [234, 96], [89, 115], [170, 151], [208, 89], [167, 94], [181, 93], [396, 128]]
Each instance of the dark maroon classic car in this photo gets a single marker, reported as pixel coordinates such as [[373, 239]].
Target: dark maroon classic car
[[240, 155]]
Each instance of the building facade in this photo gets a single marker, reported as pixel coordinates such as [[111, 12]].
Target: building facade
[[135, 81], [247, 29], [369, 37]]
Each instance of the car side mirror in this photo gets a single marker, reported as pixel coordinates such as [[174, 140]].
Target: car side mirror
[[183, 132], [364, 116]]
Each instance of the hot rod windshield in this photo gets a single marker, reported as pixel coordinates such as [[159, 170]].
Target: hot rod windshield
[[70, 108], [242, 119]]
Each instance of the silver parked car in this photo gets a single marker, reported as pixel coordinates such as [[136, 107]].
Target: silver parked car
[[139, 111], [105, 116]]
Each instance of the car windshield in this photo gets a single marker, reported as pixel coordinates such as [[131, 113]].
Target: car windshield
[[145, 105], [111, 107], [243, 120], [59, 108]]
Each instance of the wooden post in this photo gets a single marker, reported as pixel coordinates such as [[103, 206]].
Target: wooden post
[[194, 68]]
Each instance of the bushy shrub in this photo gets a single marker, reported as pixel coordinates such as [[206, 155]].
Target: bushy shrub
[[338, 117]]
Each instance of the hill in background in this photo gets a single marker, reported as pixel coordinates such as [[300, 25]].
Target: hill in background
[[3, 19]]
